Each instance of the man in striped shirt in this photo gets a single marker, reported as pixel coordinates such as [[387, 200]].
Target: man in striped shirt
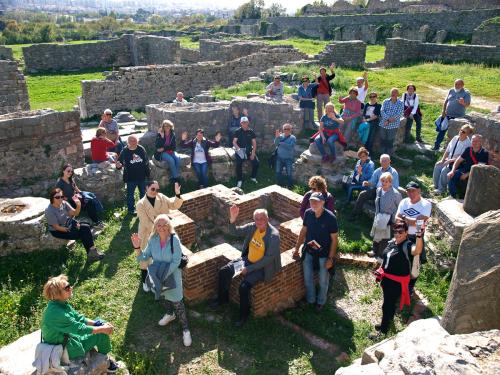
[[390, 118]]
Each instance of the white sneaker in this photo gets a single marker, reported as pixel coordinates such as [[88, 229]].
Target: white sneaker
[[167, 318], [437, 192], [239, 184], [253, 180], [186, 338], [146, 288]]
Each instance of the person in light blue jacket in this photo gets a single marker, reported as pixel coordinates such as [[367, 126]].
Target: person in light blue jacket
[[363, 171], [285, 142], [164, 246]]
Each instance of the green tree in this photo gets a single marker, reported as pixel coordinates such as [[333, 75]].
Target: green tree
[[251, 10], [275, 10]]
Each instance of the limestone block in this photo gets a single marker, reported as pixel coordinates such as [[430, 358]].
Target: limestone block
[[453, 219], [309, 164], [473, 303], [105, 182], [482, 192]]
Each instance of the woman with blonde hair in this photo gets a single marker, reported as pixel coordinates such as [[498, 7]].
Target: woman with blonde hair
[[165, 145], [329, 133], [63, 325], [164, 249], [317, 184]]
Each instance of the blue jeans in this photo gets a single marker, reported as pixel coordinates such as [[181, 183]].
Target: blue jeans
[[439, 138], [173, 164], [287, 164], [353, 187], [330, 141], [131, 185], [324, 279], [201, 170], [454, 181], [119, 147]]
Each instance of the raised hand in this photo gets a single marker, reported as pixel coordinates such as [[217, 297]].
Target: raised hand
[[76, 198], [136, 241], [234, 211], [177, 188], [332, 66]]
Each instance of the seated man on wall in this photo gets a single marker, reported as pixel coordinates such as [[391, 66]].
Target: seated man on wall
[[260, 259], [473, 155]]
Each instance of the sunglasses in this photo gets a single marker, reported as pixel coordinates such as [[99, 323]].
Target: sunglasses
[[401, 231], [154, 189], [67, 288], [70, 171], [462, 131], [372, 96], [287, 129], [58, 196]]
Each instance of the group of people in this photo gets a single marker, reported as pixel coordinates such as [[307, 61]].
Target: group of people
[[397, 228]]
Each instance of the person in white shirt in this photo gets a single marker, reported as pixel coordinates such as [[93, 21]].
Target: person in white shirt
[[454, 149], [362, 85], [414, 211], [179, 99], [412, 112]]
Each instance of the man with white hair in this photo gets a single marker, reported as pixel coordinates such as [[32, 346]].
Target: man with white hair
[[362, 85], [112, 130], [135, 162], [374, 183], [260, 259]]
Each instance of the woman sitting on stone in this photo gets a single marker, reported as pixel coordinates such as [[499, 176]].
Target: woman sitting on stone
[[200, 158], [317, 184], [351, 112], [394, 274], [386, 206], [148, 208], [164, 248], [165, 148], [89, 201], [99, 146], [363, 171], [63, 325], [60, 218], [329, 133]]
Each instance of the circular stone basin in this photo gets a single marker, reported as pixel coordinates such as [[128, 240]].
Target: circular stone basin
[[22, 209]]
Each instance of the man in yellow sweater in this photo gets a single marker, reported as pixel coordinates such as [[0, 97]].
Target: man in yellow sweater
[[260, 259]]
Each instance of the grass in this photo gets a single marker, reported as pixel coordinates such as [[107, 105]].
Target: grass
[[308, 46], [374, 53], [186, 42]]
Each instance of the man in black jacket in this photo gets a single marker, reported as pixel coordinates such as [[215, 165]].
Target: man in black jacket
[[260, 259], [135, 163]]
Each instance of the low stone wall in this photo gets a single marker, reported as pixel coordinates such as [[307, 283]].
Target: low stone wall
[[135, 87], [33, 147], [486, 125], [190, 56], [266, 116], [346, 54], [13, 90], [6, 53], [221, 50], [129, 49], [399, 51], [487, 33]]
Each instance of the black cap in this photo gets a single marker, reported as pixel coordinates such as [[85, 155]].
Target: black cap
[[413, 185]]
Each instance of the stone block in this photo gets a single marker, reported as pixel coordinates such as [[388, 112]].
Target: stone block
[[482, 192], [13, 89], [453, 219]]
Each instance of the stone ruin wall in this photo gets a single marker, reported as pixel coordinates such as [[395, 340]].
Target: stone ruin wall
[[400, 51], [33, 147], [6, 53], [128, 50], [135, 87], [345, 54], [488, 34], [13, 89], [220, 50], [266, 117]]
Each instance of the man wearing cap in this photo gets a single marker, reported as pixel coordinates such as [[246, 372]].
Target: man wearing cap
[[245, 146], [112, 130], [319, 237], [362, 85], [410, 210]]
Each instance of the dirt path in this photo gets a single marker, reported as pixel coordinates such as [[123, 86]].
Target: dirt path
[[431, 93]]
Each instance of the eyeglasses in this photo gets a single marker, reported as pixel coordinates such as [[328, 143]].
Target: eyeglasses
[[67, 288], [58, 196], [287, 129], [154, 189]]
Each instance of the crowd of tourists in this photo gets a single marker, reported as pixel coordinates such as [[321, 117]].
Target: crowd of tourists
[[397, 229]]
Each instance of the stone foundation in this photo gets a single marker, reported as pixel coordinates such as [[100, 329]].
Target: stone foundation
[[135, 87], [349, 54], [452, 219], [23, 228], [33, 146], [6, 53], [13, 90], [104, 180]]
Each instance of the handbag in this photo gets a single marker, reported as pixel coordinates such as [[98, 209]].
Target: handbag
[[184, 257], [441, 123], [347, 179]]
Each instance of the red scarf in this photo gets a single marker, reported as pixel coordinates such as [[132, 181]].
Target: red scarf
[[404, 281], [473, 155]]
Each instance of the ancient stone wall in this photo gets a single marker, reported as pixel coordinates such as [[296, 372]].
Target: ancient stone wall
[[33, 147], [13, 90], [190, 56], [400, 51], [346, 54], [135, 87], [126, 51], [6, 53], [266, 117], [487, 33]]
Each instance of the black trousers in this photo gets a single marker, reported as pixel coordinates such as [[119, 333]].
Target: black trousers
[[83, 233], [363, 197], [239, 167], [226, 273], [392, 292]]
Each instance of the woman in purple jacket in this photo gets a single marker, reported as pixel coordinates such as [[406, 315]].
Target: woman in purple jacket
[[200, 158]]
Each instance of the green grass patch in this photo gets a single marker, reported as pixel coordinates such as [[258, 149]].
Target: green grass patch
[[374, 52], [187, 42], [309, 46]]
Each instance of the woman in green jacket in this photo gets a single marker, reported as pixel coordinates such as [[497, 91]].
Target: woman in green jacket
[[60, 321]]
